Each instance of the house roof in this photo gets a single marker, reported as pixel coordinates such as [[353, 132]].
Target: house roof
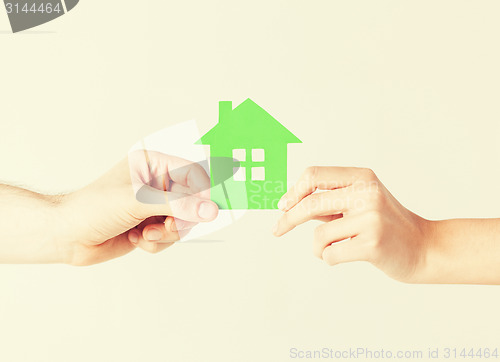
[[248, 122]]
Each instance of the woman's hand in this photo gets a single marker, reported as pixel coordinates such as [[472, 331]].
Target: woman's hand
[[361, 221]]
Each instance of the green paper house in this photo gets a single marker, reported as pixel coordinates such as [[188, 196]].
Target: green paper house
[[255, 143]]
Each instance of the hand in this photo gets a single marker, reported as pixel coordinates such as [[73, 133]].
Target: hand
[[149, 200], [361, 221]]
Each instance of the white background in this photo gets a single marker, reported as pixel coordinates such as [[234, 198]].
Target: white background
[[409, 89]]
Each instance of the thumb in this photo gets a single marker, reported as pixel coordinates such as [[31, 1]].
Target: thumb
[[187, 207]]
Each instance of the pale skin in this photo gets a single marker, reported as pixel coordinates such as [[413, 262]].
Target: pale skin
[[362, 221], [104, 220]]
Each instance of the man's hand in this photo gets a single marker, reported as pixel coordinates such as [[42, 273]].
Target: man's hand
[[362, 220], [149, 200]]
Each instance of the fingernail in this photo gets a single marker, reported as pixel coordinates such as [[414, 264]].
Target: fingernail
[[282, 204], [133, 237], [154, 235], [207, 210]]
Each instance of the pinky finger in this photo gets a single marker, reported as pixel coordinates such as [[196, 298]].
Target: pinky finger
[[344, 252], [137, 239]]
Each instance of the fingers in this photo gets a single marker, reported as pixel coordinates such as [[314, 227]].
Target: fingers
[[344, 252], [153, 233], [328, 204], [188, 174], [181, 225], [138, 240], [182, 206], [160, 170], [154, 247], [155, 237], [160, 232], [98, 253], [181, 171], [180, 189], [335, 231], [350, 210], [318, 178], [172, 186], [171, 230]]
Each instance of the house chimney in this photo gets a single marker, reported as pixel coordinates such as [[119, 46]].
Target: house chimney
[[225, 109]]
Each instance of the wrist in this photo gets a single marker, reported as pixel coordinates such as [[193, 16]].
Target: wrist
[[429, 251], [68, 225]]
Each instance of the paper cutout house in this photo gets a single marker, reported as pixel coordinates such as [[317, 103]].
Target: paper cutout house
[[256, 145]]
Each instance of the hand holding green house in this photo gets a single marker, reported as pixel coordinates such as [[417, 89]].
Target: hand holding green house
[[258, 144]]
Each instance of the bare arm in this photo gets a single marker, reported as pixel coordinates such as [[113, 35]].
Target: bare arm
[[28, 226]]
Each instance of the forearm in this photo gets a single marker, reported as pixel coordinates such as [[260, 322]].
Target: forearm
[[462, 251], [29, 226]]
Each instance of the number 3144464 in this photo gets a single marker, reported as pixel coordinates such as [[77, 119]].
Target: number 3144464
[[26, 8]]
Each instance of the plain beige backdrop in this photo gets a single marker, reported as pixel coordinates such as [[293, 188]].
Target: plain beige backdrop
[[408, 88]]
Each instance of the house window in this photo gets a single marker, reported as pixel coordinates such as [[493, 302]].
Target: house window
[[258, 173], [239, 174], [258, 155], [251, 168], [239, 154]]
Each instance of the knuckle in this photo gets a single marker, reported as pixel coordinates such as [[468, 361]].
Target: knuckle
[[374, 219], [376, 197], [374, 234], [284, 219], [311, 173], [368, 174], [319, 234], [330, 258], [375, 227], [374, 249], [366, 177], [375, 242], [310, 204], [198, 168], [181, 203], [152, 248], [200, 174]]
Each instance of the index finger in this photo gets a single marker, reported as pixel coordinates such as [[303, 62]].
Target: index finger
[[159, 170], [318, 178], [189, 175]]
